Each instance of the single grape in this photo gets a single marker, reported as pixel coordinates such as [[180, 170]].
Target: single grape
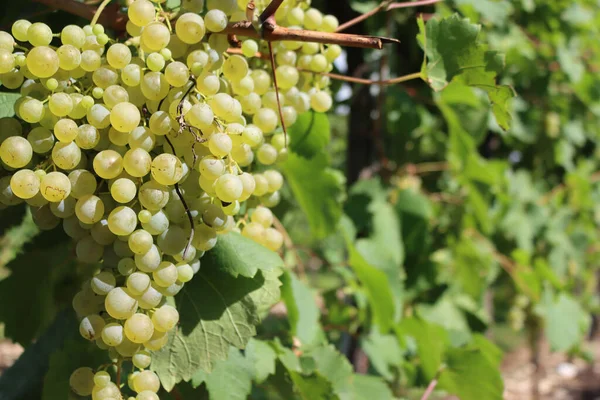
[[82, 381]]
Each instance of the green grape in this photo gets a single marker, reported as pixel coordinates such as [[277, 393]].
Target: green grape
[[141, 359], [142, 137], [7, 61], [153, 196], [155, 62], [261, 185], [39, 34], [137, 162], [200, 116], [126, 266], [64, 208], [156, 36], [120, 304], [13, 79], [165, 318], [266, 154], [229, 188], [248, 184], [149, 261], [139, 328], [159, 222], [158, 341], [333, 52], [266, 120], [73, 229], [160, 123], [25, 184], [103, 283], [190, 28], [244, 86], [329, 24], [251, 103], [131, 75], [105, 76], [310, 48], [149, 300], [146, 381], [145, 216], [114, 95], [118, 56], [205, 238], [165, 275], [81, 381], [272, 239], [154, 86], [108, 164], [321, 101], [185, 273], [125, 117], [89, 208], [108, 392], [31, 110], [73, 35], [102, 234], [42, 61], [141, 13], [208, 84], [123, 190], [91, 326], [211, 167], [296, 16], [274, 179], [220, 144], [69, 57], [118, 138], [66, 130], [138, 283], [262, 81], [19, 29], [99, 116], [235, 68], [102, 379], [90, 61], [83, 183], [55, 186], [177, 74], [318, 63], [269, 100], [249, 48], [66, 155], [167, 169], [122, 221], [254, 231], [263, 216], [252, 135], [215, 20], [127, 348], [16, 152], [271, 200], [287, 77], [313, 19], [88, 251]]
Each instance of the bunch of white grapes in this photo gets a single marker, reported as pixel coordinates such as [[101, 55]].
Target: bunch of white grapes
[[146, 150]]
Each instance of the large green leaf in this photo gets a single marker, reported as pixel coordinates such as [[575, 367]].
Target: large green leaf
[[23, 379], [365, 387], [77, 352], [564, 321], [335, 367], [238, 255], [318, 189], [41, 282], [216, 311], [303, 312], [230, 379], [7, 103], [384, 353], [262, 356], [310, 134], [432, 341], [454, 52], [470, 375]]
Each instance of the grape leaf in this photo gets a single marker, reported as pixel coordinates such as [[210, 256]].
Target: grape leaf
[[303, 313], [318, 189], [311, 387], [216, 311], [384, 353], [564, 318], [230, 379], [263, 358], [76, 352], [21, 379], [470, 375], [334, 366], [367, 387], [310, 134], [238, 255], [46, 268], [454, 53], [7, 103]]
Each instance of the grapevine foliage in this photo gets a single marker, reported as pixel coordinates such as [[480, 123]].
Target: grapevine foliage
[[176, 225]]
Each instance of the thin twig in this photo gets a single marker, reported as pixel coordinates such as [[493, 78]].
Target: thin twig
[[408, 4], [99, 11], [270, 10], [362, 17], [363, 81], [430, 389], [272, 59], [289, 244], [277, 33], [119, 370]]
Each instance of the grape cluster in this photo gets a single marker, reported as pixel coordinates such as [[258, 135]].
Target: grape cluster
[[146, 150]]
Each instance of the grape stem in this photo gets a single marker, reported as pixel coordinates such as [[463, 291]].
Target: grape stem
[[272, 59], [269, 12], [119, 370], [99, 12], [432, 385], [352, 79]]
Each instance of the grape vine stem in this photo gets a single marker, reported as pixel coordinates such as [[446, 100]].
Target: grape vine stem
[[99, 12], [353, 79]]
